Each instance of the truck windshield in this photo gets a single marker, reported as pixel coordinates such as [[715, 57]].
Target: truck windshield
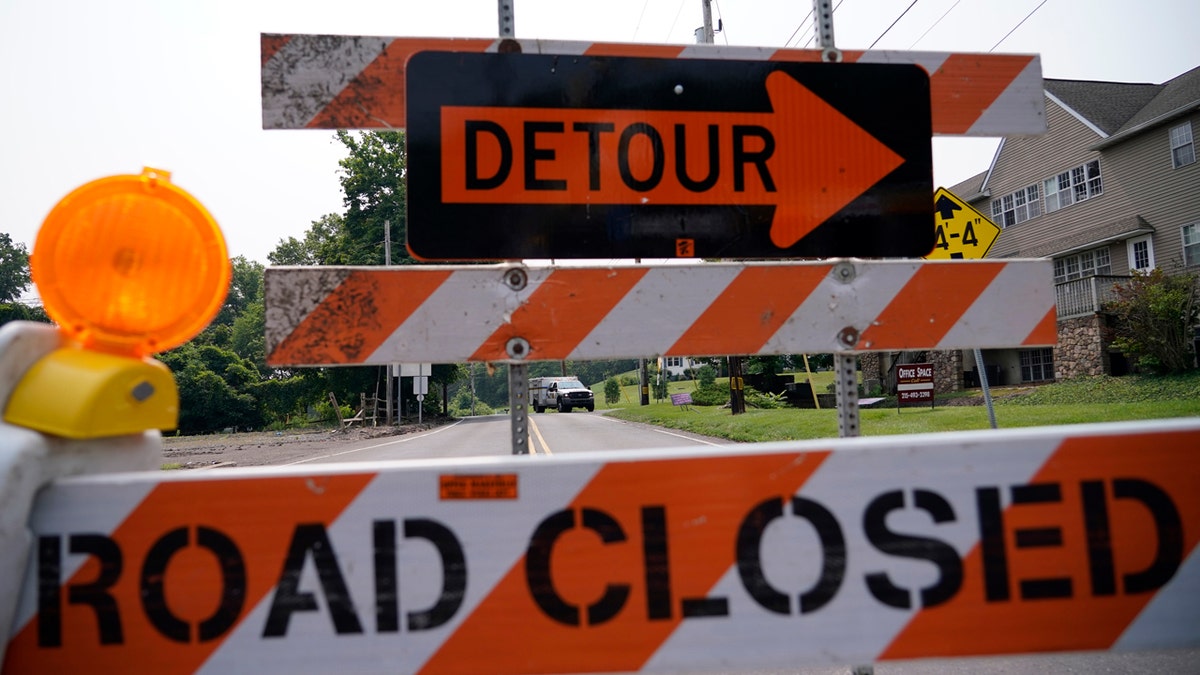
[[570, 384]]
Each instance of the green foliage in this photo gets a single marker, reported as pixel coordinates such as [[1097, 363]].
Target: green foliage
[[17, 312], [1149, 398], [706, 375], [373, 182], [1156, 313], [612, 391], [461, 405], [14, 269], [321, 245], [764, 400], [710, 395], [214, 389]]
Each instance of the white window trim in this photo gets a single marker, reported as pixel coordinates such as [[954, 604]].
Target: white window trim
[[1191, 142], [1149, 249], [1183, 243]]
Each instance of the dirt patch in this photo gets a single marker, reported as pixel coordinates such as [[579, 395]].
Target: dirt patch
[[270, 448]]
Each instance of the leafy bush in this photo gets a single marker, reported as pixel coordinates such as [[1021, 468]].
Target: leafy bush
[[765, 400], [1155, 315], [612, 391], [710, 395], [706, 375], [460, 405]]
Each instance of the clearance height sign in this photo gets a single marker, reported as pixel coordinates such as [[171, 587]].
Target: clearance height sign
[[1075, 538], [539, 156]]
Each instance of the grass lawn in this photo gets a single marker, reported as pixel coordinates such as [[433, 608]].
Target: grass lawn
[[1107, 399]]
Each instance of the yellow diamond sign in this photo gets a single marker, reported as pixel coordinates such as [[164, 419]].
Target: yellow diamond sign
[[962, 232]]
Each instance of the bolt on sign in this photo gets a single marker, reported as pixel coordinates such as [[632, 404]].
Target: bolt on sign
[[538, 156], [1074, 538], [962, 231]]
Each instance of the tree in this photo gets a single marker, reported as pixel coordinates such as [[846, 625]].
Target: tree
[[14, 269], [245, 288], [1156, 314], [321, 244], [373, 181]]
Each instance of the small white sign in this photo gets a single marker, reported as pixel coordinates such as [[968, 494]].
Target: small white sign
[[416, 369], [420, 386]]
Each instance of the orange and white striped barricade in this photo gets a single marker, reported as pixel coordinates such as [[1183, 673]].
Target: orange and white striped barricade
[[357, 82], [515, 313], [763, 556]]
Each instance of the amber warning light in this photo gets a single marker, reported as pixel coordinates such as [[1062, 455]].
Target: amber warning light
[[127, 266]]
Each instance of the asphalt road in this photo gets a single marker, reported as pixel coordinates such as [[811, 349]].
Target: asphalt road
[[551, 433]]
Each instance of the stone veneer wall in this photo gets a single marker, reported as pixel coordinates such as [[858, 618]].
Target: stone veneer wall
[[947, 371], [1082, 347]]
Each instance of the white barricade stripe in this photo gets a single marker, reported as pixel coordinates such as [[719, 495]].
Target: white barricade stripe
[[771, 555]]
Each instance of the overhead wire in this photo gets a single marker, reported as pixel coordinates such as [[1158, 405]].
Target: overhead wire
[[677, 13], [639, 21], [1014, 28], [889, 28], [798, 27], [935, 23]]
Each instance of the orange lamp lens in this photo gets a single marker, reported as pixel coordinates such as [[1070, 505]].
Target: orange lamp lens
[[131, 264]]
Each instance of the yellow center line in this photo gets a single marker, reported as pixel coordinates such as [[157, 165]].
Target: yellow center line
[[538, 434]]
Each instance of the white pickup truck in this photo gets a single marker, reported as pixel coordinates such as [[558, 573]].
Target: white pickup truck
[[563, 393]]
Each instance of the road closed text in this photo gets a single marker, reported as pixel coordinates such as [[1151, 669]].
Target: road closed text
[[1035, 543]]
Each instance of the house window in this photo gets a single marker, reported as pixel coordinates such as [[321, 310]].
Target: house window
[[1037, 365], [1141, 254], [1191, 244], [1017, 207], [674, 361], [1082, 182], [1183, 151], [1086, 264]]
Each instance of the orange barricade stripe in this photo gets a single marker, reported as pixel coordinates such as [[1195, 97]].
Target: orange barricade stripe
[[622, 49], [558, 315], [1046, 332], [1101, 606], [929, 305], [270, 44], [708, 499], [967, 84], [962, 89], [357, 316], [780, 288], [195, 579], [376, 96]]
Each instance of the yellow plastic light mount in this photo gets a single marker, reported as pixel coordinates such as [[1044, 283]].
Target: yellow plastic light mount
[[80, 394], [131, 264]]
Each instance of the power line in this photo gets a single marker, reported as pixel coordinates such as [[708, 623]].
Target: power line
[[639, 22], [798, 27], [677, 13], [935, 23], [1017, 26], [889, 28]]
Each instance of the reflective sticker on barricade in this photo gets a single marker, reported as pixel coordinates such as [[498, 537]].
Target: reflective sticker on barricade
[[759, 556], [354, 82], [341, 315]]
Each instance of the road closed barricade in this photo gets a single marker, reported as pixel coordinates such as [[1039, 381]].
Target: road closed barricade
[[777, 555]]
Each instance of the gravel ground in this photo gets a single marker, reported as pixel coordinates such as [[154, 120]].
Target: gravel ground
[[268, 448]]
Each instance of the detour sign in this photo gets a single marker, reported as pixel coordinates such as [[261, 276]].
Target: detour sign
[[535, 156], [1073, 538]]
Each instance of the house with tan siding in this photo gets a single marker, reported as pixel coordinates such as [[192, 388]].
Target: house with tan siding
[[1113, 186]]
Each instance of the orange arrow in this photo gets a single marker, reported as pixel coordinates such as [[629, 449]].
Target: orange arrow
[[805, 157]]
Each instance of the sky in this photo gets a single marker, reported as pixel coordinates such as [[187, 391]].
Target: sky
[[92, 88]]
